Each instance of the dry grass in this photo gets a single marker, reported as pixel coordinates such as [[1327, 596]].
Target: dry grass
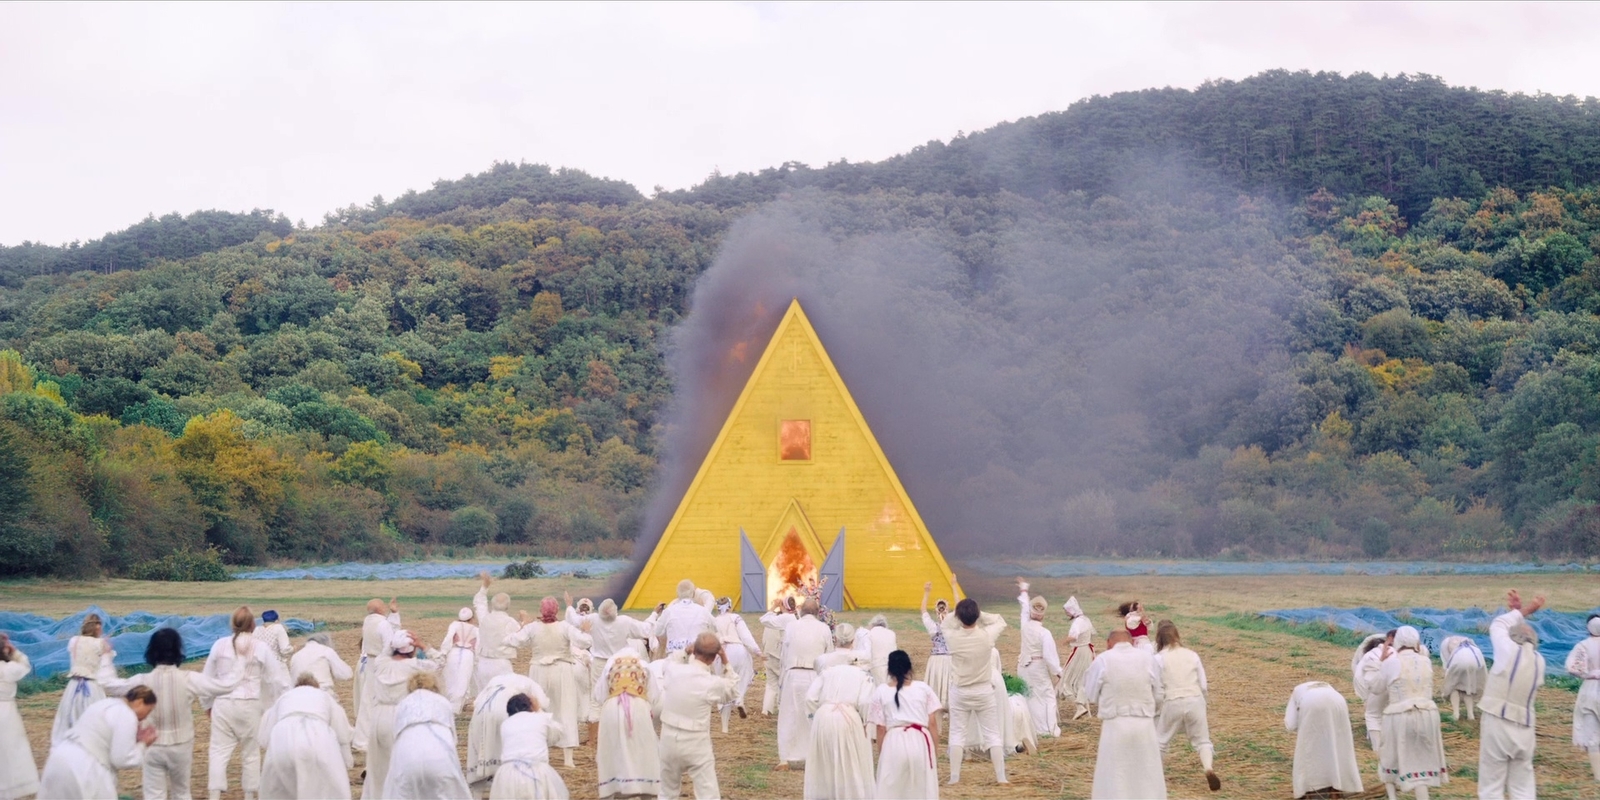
[[1251, 671]]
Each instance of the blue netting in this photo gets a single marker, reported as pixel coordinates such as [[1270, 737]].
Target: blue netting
[[1113, 569], [423, 570], [44, 640], [1558, 631]]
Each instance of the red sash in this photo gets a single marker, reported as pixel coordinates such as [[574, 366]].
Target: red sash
[[926, 737]]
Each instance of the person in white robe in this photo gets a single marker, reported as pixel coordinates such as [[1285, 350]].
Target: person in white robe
[[1411, 758], [483, 731], [107, 737], [683, 619], [389, 682], [905, 713], [611, 633], [18, 775], [803, 641], [495, 625], [1183, 682], [971, 635], [689, 693], [552, 641], [582, 660], [1080, 638], [460, 661], [525, 772], [307, 737], [937, 672], [377, 630], [773, 624], [1465, 673], [169, 760], [839, 761], [1125, 684], [1364, 667], [1016, 722], [627, 753], [1583, 663], [89, 660], [881, 641], [1038, 664], [236, 716], [423, 764], [1506, 736], [318, 659], [270, 632], [739, 652], [1324, 748]]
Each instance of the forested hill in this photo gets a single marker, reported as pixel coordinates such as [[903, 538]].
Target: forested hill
[[1341, 316]]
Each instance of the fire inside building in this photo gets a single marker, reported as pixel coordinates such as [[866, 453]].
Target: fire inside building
[[795, 460]]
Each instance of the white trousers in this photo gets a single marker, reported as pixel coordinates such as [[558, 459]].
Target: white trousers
[[1185, 715], [687, 751], [233, 725], [769, 700], [166, 771], [1505, 760], [974, 706]]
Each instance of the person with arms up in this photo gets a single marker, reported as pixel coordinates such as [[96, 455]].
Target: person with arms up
[[683, 619], [495, 625], [1183, 682], [1038, 664], [971, 635], [170, 758], [937, 672], [612, 633], [236, 716], [689, 694], [1324, 748], [803, 641], [307, 737], [1125, 682], [1506, 737], [552, 641], [107, 737]]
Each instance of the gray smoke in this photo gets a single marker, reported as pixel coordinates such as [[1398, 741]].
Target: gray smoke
[[1037, 371]]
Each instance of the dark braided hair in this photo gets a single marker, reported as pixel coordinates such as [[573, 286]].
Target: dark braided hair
[[900, 671]]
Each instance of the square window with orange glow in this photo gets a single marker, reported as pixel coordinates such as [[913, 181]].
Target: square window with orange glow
[[794, 440]]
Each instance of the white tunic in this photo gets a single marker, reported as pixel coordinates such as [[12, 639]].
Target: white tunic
[[176, 690], [907, 766], [881, 641], [1584, 663], [1125, 682], [388, 679], [937, 673], [1411, 752], [488, 711], [627, 757], [423, 765], [321, 662], [460, 656], [552, 668], [1039, 666], [525, 771], [307, 736], [1324, 748], [804, 640], [1465, 670], [839, 763], [494, 627], [18, 775], [681, 621], [90, 662], [83, 764]]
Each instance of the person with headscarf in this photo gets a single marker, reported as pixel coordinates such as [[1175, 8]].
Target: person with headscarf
[[307, 737], [1080, 637], [1411, 758], [276, 637], [1138, 624], [552, 641], [318, 659], [1183, 683], [236, 716], [1125, 684], [461, 651], [578, 612], [495, 624], [683, 619], [483, 731], [626, 754], [937, 672], [89, 657], [1465, 673], [1506, 736], [803, 641], [773, 623], [971, 635], [1364, 668], [689, 693], [1038, 664], [525, 772], [169, 760], [18, 775], [1583, 663], [905, 713], [739, 652], [377, 631], [611, 633], [423, 764], [1324, 748], [107, 737], [390, 682], [839, 759]]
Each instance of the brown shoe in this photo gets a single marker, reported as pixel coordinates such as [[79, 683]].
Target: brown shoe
[[740, 709], [1213, 781]]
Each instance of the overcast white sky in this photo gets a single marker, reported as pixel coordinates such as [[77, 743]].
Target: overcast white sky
[[111, 112]]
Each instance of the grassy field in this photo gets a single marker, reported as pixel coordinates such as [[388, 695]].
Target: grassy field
[[1252, 665]]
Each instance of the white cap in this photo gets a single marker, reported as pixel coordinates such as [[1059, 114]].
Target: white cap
[[400, 642], [1407, 636], [1594, 627], [465, 615]]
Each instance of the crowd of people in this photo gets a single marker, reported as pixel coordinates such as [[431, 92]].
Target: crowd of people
[[853, 710]]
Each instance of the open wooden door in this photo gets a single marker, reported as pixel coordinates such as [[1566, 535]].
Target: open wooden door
[[752, 578], [832, 575]]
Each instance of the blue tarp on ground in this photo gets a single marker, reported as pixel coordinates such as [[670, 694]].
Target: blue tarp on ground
[[424, 570], [1558, 631], [44, 640], [1115, 569]]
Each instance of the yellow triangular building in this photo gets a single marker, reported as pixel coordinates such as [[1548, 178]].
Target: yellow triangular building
[[796, 458]]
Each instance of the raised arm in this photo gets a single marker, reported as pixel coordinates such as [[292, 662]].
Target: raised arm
[[992, 625], [927, 589]]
